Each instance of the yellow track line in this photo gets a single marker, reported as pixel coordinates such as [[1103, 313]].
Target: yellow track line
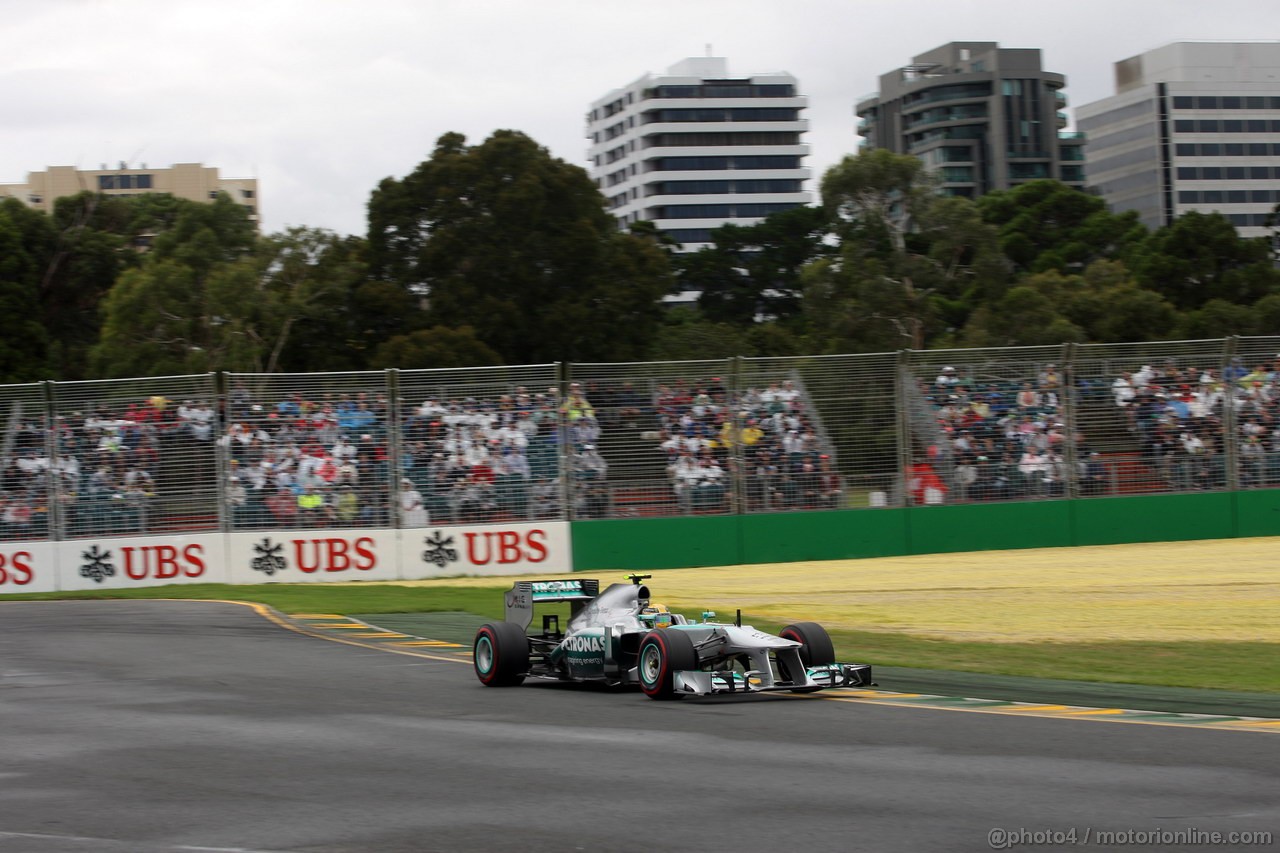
[[1010, 712], [437, 643], [1038, 708], [275, 618]]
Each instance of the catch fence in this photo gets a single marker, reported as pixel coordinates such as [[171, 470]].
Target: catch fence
[[579, 441]]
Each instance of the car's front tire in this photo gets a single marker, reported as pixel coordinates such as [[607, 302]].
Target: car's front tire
[[815, 649], [500, 654], [662, 654]]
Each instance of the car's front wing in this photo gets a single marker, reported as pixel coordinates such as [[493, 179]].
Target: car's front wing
[[698, 682]]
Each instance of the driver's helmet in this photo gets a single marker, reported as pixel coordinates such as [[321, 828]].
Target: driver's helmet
[[656, 616]]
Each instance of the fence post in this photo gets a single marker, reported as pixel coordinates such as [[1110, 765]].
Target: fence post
[[564, 375], [1070, 401], [903, 427], [1230, 428], [395, 456], [737, 453], [221, 420], [53, 490]]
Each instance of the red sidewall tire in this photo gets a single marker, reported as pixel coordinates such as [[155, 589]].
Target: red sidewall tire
[[676, 652], [505, 648], [486, 634]]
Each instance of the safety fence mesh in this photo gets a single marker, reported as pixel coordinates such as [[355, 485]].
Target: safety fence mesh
[[137, 456], [478, 445], [579, 441], [33, 459]]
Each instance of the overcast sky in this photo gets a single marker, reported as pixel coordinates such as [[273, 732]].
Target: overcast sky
[[321, 99]]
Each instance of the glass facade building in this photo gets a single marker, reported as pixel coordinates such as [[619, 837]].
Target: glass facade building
[[979, 116], [1193, 126]]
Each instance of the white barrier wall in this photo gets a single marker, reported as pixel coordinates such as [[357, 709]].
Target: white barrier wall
[[28, 567], [496, 549], [285, 556], [313, 556], [133, 561]]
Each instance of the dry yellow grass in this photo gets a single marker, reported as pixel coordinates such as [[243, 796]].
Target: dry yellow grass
[[1206, 590]]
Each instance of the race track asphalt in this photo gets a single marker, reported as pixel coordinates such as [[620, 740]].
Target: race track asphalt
[[143, 726]]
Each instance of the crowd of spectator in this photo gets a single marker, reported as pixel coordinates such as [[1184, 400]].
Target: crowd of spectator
[[1179, 418], [325, 461], [709, 435], [323, 458], [1006, 440], [1009, 440], [97, 466], [292, 460]]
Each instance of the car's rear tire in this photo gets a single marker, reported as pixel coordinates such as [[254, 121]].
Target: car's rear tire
[[500, 654], [662, 654]]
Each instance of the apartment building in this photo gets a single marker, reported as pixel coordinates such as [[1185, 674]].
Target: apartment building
[[696, 148], [980, 117], [191, 181]]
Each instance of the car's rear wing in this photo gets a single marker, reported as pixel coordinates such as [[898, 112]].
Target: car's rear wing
[[521, 598]]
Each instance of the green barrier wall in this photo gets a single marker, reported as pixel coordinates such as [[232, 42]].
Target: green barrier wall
[[668, 543]]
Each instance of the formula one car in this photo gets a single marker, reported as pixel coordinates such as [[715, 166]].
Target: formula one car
[[619, 637]]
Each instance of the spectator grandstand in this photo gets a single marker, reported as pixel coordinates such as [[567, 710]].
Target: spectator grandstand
[[422, 448]]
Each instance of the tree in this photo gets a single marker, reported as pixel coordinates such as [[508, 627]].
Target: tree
[[687, 335], [186, 308], [911, 265], [877, 193], [506, 239], [726, 293], [1219, 318], [1104, 304], [867, 299], [306, 279], [436, 347], [853, 305], [94, 241], [23, 340], [754, 270], [1273, 223], [1200, 257], [1047, 225], [151, 324], [1024, 316]]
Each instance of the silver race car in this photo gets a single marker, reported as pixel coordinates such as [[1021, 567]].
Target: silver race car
[[620, 637]]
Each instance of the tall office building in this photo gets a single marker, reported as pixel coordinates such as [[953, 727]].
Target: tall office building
[[694, 149], [191, 181], [1192, 126], [980, 116]]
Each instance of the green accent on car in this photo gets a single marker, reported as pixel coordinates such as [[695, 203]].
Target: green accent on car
[[484, 654], [555, 590], [649, 661]]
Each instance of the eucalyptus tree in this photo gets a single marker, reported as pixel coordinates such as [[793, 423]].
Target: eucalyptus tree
[[516, 244]]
